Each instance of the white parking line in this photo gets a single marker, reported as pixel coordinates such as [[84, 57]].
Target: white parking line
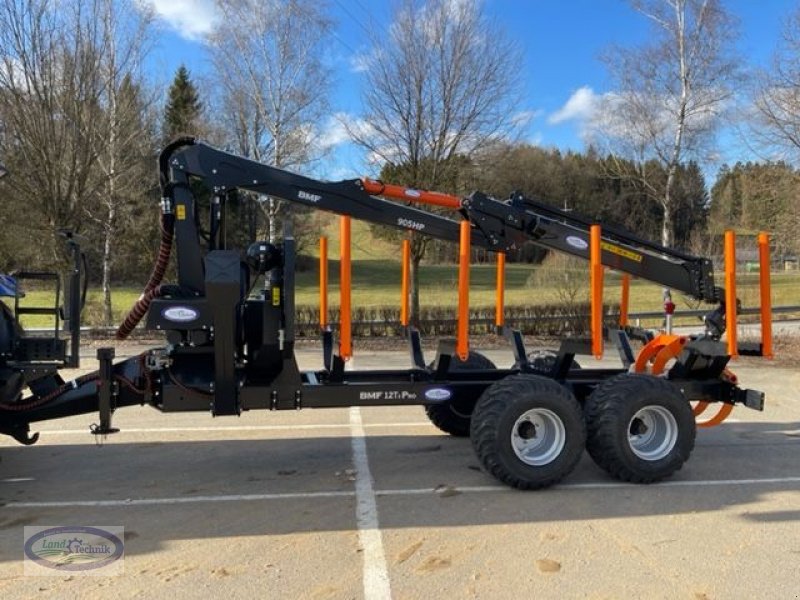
[[376, 575], [389, 493], [211, 428], [178, 500]]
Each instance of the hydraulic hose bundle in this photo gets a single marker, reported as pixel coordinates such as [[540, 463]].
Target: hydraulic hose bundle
[[153, 287]]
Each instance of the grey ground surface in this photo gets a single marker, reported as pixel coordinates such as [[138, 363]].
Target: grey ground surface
[[274, 514]]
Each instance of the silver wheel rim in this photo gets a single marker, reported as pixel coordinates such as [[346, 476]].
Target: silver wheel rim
[[538, 437], [652, 433]]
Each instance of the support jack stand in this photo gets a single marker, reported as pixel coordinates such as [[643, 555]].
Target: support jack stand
[[104, 391]]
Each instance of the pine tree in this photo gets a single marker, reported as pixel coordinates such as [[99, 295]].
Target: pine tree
[[183, 107]]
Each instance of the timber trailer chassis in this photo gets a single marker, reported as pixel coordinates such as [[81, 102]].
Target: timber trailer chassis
[[230, 349]]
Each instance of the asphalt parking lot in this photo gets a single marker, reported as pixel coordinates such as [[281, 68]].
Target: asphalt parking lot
[[375, 503]]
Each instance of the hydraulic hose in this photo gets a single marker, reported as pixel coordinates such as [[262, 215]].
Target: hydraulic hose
[[152, 289], [124, 375], [52, 395]]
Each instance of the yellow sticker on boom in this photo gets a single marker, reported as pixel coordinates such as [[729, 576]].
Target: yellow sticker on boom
[[276, 296], [623, 252], [180, 212]]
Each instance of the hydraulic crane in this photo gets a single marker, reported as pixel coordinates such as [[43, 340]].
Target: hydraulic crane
[[230, 349]]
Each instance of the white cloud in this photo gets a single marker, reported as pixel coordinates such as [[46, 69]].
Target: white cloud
[[360, 62], [192, 19], [12, 73], [644, 122], [580, 106], [339, 130], [536, 139], [525, 117], [334, 133]]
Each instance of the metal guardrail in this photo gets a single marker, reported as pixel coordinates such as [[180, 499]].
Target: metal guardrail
[[776, 310]]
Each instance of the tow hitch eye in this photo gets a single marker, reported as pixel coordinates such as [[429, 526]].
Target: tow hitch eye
[[754, 399]]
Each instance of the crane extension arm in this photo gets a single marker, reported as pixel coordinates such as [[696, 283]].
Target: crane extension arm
[[496, 225], [506, 225]]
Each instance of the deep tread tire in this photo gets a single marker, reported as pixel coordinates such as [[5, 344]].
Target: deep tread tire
[[494, 418], [609, 410], [454, 417]]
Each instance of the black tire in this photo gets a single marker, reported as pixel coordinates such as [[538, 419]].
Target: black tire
[[543, 361], [454, 417], [640, 428], [502, 426]]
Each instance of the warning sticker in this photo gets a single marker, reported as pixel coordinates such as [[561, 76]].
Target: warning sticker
[[180, 212], [623, 252], [276, 296]]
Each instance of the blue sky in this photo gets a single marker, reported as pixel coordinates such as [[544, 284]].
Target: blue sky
[[560, 40]]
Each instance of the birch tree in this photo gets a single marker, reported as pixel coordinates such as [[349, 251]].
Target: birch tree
[[70, 132], [269, 58], [124, 139], [670, 93]]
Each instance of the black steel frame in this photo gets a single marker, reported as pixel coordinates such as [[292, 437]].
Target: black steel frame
[[228, 353]]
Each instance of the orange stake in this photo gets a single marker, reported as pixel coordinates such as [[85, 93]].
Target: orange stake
[[499, 310], [323, 282], [730, 291], [406, 271], [596, 282], [462, 338], [766, 294], [398, 192], [345, 344], [623, 303]]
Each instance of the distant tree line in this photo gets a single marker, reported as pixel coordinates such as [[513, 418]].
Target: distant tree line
[[572, 181]]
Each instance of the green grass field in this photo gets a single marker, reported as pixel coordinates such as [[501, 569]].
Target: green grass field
[[377, 283]]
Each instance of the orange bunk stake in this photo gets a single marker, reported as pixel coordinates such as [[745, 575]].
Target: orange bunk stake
[[766, 294], [406, 272], [345, 343], [623, 303], [323, 282], [462, 338], [596, 281], [398, 192], [499, 310], [730, 291]]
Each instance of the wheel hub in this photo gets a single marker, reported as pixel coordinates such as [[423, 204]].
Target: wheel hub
[[652, 433], [538, 437]]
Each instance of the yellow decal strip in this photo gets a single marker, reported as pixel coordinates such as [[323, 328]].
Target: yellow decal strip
[[623, 252]]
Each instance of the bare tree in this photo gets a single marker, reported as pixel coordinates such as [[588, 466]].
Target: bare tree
[[268, 55], [72, 121], [124, 143], [50, 94], [670, 92], [777, 96], [441, 84]]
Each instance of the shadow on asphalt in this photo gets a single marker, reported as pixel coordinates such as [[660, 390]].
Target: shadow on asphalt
[[183, 469]]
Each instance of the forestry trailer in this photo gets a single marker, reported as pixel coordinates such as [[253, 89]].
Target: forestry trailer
[[229, 323]]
